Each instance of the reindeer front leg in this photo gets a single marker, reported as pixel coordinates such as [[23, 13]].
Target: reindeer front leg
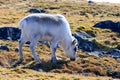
[[32, 48], [53, 49]]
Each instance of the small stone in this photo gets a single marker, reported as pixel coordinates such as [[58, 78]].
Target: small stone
[[16, 49], [34, 10], [4, 48]]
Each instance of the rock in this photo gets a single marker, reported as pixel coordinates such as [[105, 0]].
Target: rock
[[96, 53], [4, 48], [87, 46], [83, 43], [34, 10], [91, 2], [16, 50], [83, 35], [40, 70], [108, 24], [115, 53], [118, 59], [116, 75], [10, 33], [85, 74]]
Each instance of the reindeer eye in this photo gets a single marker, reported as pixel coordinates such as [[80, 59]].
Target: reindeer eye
[[75, 49]]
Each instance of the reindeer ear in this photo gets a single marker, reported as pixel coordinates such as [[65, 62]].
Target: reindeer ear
[[74, 41]]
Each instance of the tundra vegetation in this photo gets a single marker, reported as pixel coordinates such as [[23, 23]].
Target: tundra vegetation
[[81, 17]]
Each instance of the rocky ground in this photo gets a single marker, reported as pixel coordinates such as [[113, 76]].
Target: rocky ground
[[96, 27]]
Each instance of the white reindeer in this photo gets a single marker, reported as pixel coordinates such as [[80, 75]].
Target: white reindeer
[[47, 27]]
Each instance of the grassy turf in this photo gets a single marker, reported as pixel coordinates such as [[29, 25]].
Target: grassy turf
[[81, 17]]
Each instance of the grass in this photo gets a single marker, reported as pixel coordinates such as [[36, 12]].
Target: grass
[[22, 74], [85, 64], [81, 17]]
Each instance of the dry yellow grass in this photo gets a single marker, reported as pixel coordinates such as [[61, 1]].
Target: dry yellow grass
[[27, 74], [80, 16]]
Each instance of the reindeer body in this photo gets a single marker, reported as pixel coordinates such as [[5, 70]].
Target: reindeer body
[[46, 27]]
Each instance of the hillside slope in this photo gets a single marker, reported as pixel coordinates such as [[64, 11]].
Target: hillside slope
[[81, 17]]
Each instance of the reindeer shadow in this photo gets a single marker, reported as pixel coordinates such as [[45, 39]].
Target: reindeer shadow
[[46, 66]]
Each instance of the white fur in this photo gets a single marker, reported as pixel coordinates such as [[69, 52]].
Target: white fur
[[46, 27]]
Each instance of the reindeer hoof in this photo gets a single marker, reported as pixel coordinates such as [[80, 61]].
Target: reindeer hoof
[[54, 61], [17, 63], [38, 61]]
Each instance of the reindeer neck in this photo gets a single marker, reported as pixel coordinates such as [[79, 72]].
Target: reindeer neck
[[66, 42]]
